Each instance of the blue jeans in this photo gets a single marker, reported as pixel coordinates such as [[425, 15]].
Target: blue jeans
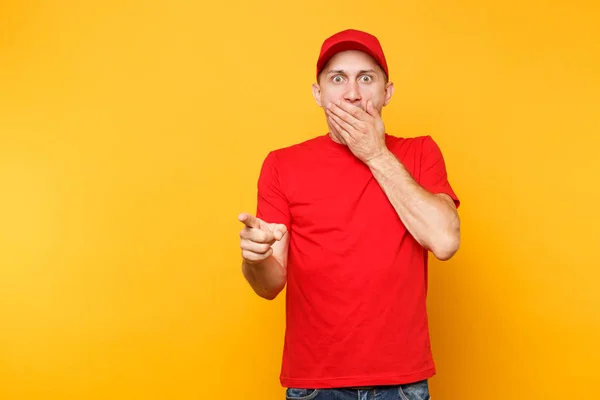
[[411, 391]]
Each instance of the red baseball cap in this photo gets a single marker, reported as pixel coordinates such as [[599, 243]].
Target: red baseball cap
[[351, 39]]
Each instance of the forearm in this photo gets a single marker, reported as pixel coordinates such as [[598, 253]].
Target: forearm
[[429, 218], [266, 278]]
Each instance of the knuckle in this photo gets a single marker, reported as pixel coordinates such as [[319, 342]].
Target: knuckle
[[246, 232], [249, 256], [264, 237], [265, 248]]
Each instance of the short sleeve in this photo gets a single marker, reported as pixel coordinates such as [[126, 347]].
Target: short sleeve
[[434, 176], [272, 205]]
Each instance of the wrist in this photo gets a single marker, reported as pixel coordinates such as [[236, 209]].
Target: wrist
[[382, 158]]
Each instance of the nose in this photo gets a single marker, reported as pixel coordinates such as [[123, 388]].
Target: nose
[[352, 94]]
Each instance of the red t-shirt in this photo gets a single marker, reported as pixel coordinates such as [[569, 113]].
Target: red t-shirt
[[356, 279]]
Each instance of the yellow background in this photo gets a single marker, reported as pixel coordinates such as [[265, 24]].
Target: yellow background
[[131, 136]]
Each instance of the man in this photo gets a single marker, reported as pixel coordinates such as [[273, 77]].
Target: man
[[346, 221]]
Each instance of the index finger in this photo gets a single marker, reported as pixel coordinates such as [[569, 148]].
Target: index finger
[[353, 110], [249, 220]]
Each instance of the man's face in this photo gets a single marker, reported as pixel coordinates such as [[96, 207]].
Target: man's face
[[353, 77]]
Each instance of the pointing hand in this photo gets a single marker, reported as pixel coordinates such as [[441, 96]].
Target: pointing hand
[[257, 237]]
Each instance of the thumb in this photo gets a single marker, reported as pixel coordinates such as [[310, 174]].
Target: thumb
[[279, 231]]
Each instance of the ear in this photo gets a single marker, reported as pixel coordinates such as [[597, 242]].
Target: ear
[[316, 91], [389, 91]]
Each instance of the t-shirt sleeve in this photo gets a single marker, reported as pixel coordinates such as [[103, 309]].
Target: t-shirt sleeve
[[434, 176], [272, 205]]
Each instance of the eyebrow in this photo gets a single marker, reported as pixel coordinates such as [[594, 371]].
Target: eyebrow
[[341, 71]]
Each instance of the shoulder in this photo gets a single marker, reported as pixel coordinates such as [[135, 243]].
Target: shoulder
[[304, 146], [296, 151]]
